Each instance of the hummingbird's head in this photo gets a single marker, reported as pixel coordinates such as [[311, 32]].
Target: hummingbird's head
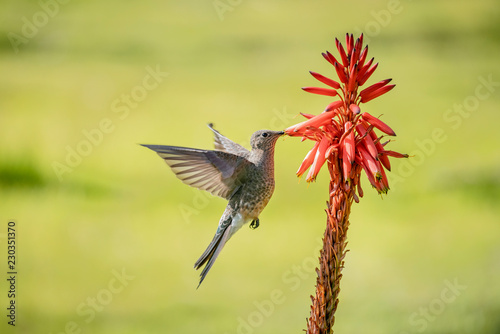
[[265, 139]]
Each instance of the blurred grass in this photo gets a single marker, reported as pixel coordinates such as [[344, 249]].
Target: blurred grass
[[121, 207]]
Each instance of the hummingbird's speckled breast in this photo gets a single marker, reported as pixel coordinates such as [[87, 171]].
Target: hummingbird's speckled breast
[[256, 197], [259, 188]]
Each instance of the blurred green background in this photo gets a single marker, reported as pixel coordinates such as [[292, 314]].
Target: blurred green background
[[75, 77]]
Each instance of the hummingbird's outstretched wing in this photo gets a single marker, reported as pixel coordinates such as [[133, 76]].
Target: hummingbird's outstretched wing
[[227, 145], [219, 173]]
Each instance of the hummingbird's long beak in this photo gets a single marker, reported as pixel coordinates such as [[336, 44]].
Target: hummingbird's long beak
[[281, 133]]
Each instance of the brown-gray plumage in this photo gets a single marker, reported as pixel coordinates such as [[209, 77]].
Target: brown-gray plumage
[[245, 178]]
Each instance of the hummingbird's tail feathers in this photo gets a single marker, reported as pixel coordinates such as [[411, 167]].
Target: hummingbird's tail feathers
[[212, 252], [227, 145], [219, 173], [209, 251]]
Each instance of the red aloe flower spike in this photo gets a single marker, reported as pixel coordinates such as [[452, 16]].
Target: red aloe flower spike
[[378, 123], [319, 160], [325, 80], [343, 55], [320, 91], [334, 105], [346, 142], [381, 91], [367, 74], [374, 87], [340, 72], [308, 160], [394, 154]]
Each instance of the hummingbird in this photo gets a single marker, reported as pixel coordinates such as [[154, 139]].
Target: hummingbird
[[245, 178]]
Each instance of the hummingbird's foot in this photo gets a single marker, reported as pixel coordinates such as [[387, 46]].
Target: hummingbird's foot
[[254, 224]]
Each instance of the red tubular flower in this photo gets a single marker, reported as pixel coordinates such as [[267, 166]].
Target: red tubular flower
[[319, 159], [340, 72], [308, 160], [367, 73], [374, 87], [322, 91], [343, 123], [367, 140], [378, 124], [376, 93], [325, 80], [334, 105], [393, 154]]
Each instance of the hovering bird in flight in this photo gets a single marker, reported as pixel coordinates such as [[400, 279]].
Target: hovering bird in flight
[[245, 178]]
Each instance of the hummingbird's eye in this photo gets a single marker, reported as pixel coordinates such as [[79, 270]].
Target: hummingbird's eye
[[265, 134]]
